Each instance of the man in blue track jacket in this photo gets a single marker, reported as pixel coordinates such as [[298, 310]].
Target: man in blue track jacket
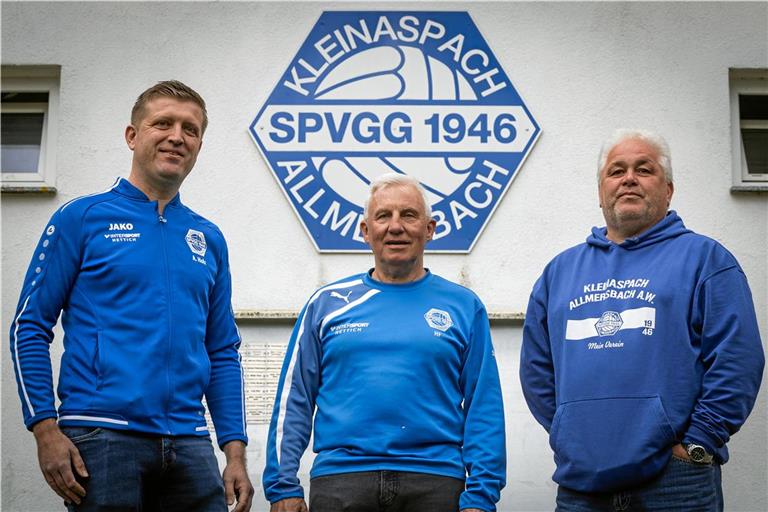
[[395, 371], [641, 353], [144, 286]]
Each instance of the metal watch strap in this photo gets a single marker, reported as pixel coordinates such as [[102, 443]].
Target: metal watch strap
[[698, 454]]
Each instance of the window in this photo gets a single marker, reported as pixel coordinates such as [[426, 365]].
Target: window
[[30, 100], [749, 129]]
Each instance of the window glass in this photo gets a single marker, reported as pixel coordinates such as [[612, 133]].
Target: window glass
[[22, 135], [755, 150], [753, 111]]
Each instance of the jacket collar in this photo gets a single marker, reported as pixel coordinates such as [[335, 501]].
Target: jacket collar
[[126, 188]]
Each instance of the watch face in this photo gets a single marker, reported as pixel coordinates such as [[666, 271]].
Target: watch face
[[697, 453]]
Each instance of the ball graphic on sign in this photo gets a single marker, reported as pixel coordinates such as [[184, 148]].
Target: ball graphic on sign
[[350, 176], [394, 73]]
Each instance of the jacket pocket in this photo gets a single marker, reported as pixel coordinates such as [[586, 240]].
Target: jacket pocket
[[610, 443]]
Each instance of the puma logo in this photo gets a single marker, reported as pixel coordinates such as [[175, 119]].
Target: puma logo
[[342, 297]]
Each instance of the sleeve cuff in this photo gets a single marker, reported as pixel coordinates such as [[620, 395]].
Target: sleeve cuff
[[696, 435], [221, 441]]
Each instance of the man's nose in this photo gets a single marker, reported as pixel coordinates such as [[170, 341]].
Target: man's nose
[[629, 177], [395, 225], [176, 134]]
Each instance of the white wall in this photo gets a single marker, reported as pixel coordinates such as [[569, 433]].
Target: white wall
[[583, 69]]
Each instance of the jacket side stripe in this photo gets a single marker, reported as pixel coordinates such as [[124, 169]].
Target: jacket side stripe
[[16, 358], [239, 344], [242, 391], [74, 417], [289, 372]]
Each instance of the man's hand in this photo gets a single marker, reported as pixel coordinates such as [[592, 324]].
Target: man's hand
[[57, 456], [237, 485], [289, 505], [680, 452]]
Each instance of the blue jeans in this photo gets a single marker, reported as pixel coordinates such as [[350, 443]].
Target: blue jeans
[[385, 491], [682, 486], [135, 472]]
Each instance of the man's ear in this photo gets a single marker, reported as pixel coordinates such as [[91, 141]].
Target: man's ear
[[130, 136], [431, 225], [364, 231]]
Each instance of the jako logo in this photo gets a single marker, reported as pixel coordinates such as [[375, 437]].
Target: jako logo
[[417, 93], [121, 226]]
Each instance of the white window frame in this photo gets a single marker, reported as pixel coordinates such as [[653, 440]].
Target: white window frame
[[749, 82], [35, 79]]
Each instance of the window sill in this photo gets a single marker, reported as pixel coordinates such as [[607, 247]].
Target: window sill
[[274, 315], [741, 189], [21, 189]]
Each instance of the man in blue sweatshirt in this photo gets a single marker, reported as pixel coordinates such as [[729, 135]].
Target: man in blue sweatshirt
[[144, 286], [641, 353], [395, 372]]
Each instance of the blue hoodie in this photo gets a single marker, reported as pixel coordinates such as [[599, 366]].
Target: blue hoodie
[[397, 377], [148, 324], [631, 348]]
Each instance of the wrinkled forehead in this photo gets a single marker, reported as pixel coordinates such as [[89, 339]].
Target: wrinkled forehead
[[632, 151]]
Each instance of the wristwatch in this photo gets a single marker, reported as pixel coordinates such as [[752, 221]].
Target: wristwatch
[[698, 454]]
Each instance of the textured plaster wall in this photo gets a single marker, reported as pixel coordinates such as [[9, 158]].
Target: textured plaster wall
[[583, 69]]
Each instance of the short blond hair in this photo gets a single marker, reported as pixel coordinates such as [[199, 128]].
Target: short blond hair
[[167, 89]]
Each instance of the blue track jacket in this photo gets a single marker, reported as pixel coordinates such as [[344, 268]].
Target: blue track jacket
[[148, 323], [397, 377], [630, 348]]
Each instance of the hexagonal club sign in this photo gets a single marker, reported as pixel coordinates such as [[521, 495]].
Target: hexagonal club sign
[[417, 93]]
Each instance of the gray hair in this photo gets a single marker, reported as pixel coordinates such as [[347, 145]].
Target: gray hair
[[397, 180], [653, 139]]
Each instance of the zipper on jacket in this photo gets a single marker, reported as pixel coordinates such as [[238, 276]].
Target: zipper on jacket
[[163, 221]]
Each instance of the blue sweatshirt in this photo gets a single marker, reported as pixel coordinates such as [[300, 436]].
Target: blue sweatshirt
[[630, 348], [148, 325], [399, 377]]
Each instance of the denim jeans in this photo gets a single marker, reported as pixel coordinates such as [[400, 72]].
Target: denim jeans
[[135, 472], [682, 486], [385, 491]]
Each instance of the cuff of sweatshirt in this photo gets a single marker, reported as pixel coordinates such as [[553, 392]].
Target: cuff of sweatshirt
[[37, 418], [695, 435], [474, 501], [221, 441], [274, 498]]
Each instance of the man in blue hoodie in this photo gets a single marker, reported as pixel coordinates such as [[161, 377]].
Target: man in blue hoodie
[[144, 286], [641, 353], [395, 372]]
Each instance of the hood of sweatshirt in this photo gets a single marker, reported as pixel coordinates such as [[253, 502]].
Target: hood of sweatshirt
[[669, 227]]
